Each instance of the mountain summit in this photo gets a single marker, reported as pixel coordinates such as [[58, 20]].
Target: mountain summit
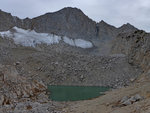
[[127, 28]]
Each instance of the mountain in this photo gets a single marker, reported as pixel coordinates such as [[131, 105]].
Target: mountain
[[70, 37], [69, 34], [68, 48], [70, 22]]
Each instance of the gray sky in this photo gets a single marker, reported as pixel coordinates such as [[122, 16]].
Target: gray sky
[[114, 12]]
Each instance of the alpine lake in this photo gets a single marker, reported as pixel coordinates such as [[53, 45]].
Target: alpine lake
[[75, 93]]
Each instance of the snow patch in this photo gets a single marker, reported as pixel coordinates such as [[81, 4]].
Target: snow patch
[[83, 43], [69, 41], [78, 42], [32, 38]]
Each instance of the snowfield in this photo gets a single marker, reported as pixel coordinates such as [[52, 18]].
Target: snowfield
[[78, 42], [32, 38]]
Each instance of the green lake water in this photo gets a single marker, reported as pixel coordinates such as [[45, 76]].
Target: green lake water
[[74, 93]]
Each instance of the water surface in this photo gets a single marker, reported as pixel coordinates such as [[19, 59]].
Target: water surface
[[74, 93]]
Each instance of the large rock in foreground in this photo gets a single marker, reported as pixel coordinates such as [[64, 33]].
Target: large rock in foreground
[[19, 95]]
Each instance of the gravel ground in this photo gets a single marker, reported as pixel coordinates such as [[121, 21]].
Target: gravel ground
[[65, 65]]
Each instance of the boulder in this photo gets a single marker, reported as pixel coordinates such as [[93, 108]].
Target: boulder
[[130, 100]]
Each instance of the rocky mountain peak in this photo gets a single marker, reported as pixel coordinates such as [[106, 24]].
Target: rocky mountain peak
[[106, 31], [70, 9], [70, 22], [102, 22], [127, 28], [66, 11], [127, 25]]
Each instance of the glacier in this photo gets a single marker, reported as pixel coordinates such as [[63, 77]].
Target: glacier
[[32, 38]]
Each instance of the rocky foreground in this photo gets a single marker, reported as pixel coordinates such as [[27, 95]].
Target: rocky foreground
[[19, 95], [131, 99]]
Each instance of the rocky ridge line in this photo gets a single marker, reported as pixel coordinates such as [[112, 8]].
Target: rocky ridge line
[[70, 22]]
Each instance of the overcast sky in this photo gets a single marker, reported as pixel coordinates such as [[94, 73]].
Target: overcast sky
[[114, 12]]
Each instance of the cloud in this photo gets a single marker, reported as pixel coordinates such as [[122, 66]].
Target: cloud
[[115, 12]]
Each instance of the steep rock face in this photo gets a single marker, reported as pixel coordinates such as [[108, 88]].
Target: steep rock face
[[24, 23], [70, 22], [106, 31], [6, 21], [107, 34], [140, 52], [136, 46]]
